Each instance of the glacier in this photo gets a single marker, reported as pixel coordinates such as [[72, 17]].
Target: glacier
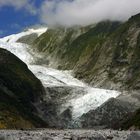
[[80, 103]]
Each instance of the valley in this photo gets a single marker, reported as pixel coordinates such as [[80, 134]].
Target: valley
[[79, 78], [62, 89]]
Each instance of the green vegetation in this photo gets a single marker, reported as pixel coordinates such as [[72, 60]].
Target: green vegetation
[[28, 39], [67, 46]]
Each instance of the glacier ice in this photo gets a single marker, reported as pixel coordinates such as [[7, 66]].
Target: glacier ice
[[81, 103]]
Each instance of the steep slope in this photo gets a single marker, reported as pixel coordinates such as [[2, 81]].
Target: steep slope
[[73, 46], [19, 90], [30, 35], [117, 65], [105, 55], [55, 43]]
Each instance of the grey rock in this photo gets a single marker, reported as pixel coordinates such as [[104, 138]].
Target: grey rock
[[48, 134], [134, 136], [111, 114]]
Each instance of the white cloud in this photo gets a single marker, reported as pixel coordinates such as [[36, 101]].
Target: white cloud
[[19, 4], [84, 12]]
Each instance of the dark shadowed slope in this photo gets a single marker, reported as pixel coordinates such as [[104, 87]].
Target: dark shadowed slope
[[19, 90]]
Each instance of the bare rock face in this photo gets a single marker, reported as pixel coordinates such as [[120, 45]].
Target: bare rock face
[[110, 115]]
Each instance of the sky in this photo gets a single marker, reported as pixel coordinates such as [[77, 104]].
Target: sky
[[16, 15]]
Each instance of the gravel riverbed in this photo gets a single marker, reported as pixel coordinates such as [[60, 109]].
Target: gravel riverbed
[[48, 134]]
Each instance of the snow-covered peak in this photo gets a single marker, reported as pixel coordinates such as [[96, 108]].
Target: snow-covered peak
[[15, 37], [38, 31]]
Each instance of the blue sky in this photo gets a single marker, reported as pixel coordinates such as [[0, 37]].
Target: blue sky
[[13, 19], [16, 15]]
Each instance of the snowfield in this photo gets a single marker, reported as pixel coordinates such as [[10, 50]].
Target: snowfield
[[15, 37]]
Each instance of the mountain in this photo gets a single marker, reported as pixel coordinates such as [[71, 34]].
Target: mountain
[[19, 91], [60, 105], [105, 55], [89, 77]]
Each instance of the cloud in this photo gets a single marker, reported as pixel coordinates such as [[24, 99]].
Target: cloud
[[20, 4], [85, 12]]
